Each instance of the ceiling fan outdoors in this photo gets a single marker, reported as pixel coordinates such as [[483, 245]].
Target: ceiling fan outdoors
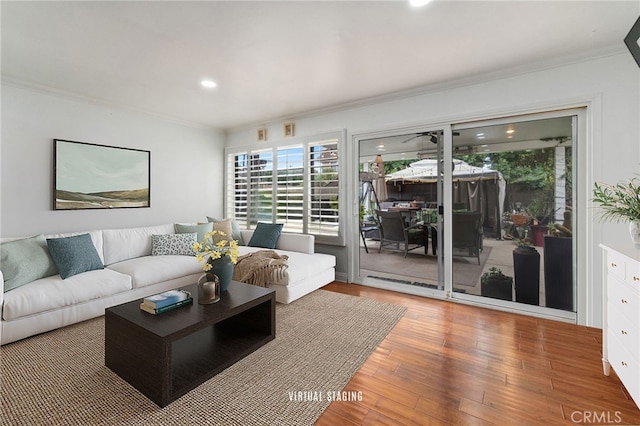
[[433, 136]]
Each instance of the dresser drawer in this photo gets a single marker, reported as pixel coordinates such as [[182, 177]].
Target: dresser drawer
[[616, 264], [625, 330], [632, 273], [623, 301], [626, 367]]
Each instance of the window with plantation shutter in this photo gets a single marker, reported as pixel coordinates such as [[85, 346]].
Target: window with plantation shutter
[[290, 188], [295, 184], [323, 188]]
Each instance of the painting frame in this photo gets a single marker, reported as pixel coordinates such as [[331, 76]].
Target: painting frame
[[89, 176], [632, 40], [289, 129]]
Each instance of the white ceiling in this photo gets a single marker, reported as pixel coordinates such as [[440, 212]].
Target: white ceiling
[[277, 60]]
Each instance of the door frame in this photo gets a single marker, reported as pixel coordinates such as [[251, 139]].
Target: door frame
[[583, 152]]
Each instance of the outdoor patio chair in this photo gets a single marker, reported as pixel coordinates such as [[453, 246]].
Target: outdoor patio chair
[[394, 231], [467, 234]]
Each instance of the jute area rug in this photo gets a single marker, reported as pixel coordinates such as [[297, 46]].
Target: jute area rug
[[322, 339]]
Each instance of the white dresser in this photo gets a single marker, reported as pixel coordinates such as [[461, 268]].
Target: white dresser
[[621, 316]]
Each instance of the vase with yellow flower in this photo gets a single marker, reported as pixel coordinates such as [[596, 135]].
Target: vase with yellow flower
[[218, 252]]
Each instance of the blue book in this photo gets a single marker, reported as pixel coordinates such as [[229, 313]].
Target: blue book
[[166, 298], [151, 310]]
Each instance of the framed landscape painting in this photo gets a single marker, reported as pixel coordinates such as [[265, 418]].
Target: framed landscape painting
[[90, 176]]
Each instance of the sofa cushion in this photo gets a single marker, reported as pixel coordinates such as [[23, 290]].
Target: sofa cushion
[[148, 270], [173, 244], [96, 239], [25, 260], [199, 228], [302, 266], [225, 231], [235, 229], [74, 255], [53, 292], [128, 243], [266, 235]]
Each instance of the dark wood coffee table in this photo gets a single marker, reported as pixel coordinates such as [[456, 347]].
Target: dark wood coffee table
[[165, 356]]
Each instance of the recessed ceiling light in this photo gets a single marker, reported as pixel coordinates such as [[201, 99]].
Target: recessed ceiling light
[[209, 84], [484, 146], [480, 135], [510, 131], [380, 146], [418, 3]]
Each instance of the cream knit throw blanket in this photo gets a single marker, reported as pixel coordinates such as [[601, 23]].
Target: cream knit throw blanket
[[261, 268]]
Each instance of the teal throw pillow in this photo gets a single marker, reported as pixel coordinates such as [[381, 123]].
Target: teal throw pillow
[[25, 260], [173, 244], [74, 255], [235, 229], [266, 235], [200, 229]]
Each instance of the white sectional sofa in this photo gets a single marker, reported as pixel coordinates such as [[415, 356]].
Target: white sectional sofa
[[131, 272]]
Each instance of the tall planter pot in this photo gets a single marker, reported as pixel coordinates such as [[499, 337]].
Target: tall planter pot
[[558, 272], [526, 271], [537, 234]]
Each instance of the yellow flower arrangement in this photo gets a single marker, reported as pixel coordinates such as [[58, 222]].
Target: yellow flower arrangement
[[210, 249]]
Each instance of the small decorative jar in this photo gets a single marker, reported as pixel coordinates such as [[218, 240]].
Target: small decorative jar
[[208, 289]]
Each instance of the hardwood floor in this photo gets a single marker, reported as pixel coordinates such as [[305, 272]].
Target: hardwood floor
[[450, 364]]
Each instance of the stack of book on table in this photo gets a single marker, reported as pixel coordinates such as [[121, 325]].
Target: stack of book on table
[[166, 301]]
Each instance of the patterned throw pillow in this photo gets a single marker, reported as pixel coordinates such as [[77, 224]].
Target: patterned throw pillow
[[173, 244]]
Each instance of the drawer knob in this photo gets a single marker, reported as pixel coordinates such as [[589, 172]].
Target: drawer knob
[[636, 278], [624, 332], [613, 265], [623, 301], [624, 364]]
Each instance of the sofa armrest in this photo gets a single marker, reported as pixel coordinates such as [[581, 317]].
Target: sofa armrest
[[302, 243], [1, 292]]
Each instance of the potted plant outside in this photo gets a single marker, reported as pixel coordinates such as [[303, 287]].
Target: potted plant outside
[[621, 203], [495, 284], [526, 270], [541, 210]]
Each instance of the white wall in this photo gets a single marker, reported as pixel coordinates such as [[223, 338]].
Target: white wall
[[611, 87], [186, 164]]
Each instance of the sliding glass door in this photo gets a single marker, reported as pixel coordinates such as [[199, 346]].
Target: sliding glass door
[[512, 212], [483, 211], [400, 198]]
